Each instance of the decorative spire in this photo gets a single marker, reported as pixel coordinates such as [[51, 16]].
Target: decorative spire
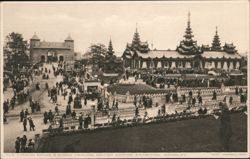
[[136, 39], [136, 28], [188, 45], [216, 42], [189, 14], [110, 48]]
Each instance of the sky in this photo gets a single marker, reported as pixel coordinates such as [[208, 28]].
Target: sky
[[160, 23]]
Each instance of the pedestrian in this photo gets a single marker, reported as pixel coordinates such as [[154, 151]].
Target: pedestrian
[[6, 106], [70, 98], [85, 101], [136, 111], [26, 113], [80, 121], [61, 123], [32, 125], [45, 117], [73, 114], [231, 100], [65, 94], [163, 109], [21, 115], [116, 105], [30, 100], [31, 145], [38, 107], [56, 110], [88, 120], [25, 124], [12, 102], [23, 143], [225, 127], [17, 145], [50, 115], [68, 110]]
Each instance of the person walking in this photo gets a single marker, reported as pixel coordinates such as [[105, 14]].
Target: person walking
[[80, 121], [23, 143], [225, 127], [21, 115], [25, 124], [50, 115], [45, 117], [32, 125], [17, 145]]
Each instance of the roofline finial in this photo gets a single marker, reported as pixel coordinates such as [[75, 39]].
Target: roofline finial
[[189, 14], [136, 28]]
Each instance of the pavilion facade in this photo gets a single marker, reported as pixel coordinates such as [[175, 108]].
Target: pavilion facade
[[188, 54]]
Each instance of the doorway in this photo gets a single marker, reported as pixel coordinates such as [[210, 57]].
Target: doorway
[[42, 58], [61, 58]]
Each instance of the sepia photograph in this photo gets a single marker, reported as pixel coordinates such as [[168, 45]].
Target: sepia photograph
[[117, 79]]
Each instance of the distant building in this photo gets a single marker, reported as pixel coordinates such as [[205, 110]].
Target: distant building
[[42, 51], [188, 54]]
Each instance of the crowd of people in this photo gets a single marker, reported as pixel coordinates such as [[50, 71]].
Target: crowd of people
[[72, 91], [23, 145]]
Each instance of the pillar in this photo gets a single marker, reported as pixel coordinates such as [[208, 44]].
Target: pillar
[[219, 65], [159, 64], [237, 65], [225, 66]]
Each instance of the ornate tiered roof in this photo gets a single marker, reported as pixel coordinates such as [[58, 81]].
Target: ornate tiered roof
[[216, 42], [110, 49], [229, 48], [188, 46], [205, 48], [136, 45]]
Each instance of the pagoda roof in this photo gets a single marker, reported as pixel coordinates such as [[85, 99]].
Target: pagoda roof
[[229, 45], [205, 46], [35, 37]]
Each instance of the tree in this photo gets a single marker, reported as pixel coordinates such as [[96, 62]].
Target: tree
[[98, 51], [16, 49]]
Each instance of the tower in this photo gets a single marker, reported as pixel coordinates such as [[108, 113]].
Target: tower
[[34, 41], [216, 42], [69, 42], [188, 45], [136, 39], [110, 49]]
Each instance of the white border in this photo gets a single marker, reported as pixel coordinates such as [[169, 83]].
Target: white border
[[115, 155]]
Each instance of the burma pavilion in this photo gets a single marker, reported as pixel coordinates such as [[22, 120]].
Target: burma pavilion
[[188, 54]]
